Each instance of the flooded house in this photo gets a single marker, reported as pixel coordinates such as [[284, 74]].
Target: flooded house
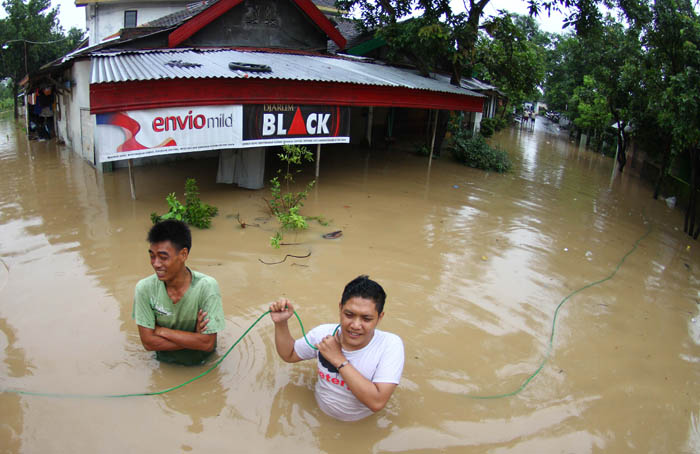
[[158, 80]]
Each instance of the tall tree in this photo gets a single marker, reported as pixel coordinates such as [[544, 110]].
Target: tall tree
[[512, 56], [437, 35], [674, 51], [31, 36], [455, 32], [566, 65], [646, 73], [591, 106], [618, 56], [594, 77]]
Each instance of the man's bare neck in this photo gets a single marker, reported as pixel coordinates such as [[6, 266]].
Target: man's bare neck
[[178, 286]]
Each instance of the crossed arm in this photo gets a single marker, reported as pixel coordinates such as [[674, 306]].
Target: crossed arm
[[166, 339], [374, 395]]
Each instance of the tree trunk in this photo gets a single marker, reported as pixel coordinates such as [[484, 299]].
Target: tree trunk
[[503, 113], [694, 190], [442, 123], [622, 143], [429, 128], [466, 46], [664, 168], [14, 99], [689, 224]]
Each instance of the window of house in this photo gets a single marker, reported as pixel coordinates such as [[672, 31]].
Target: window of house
[[129, 19]]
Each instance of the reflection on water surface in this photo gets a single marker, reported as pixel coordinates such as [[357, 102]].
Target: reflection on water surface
[[474, 265]]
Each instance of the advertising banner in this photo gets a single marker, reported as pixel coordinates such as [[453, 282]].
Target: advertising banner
[[280, 124], [137, 134], [153, 132]]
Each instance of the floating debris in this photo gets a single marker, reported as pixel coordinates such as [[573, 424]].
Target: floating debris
[[285, 258], [333, 235]]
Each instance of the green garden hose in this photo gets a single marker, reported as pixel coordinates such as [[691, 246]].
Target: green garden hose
[[554, 322], [216, 364], [167, 390]]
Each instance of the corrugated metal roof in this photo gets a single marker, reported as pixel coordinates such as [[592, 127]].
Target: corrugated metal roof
[[180, 16], [125, 66]]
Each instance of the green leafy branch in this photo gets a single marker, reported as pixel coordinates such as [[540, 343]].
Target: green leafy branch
[[286, 205], [193, 212]]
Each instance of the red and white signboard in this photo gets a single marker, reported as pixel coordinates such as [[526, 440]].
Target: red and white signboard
[[136, 134], [142, 133]]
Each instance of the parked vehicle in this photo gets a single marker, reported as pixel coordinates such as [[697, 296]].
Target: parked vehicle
[[553, 116]]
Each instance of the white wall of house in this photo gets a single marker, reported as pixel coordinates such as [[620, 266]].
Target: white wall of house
[[105, 19], [75, 126]]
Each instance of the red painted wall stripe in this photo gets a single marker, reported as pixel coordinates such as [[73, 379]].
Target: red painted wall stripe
[[140, 95]]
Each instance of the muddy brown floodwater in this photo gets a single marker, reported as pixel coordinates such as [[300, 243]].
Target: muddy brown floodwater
[[474, 265]]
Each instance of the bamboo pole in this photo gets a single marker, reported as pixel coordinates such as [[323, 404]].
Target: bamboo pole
[[131, 179], [432, 142], [318, 159]]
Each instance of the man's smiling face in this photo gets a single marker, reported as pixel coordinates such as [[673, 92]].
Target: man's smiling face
[[166, 261], [358, 319]]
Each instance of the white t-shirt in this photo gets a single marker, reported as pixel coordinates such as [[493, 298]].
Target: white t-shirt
[[380, 361]]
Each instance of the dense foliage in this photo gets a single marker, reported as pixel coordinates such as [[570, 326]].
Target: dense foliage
[[511, 55], [439, 36]]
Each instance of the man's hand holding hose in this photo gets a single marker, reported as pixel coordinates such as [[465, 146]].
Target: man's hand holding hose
[[280, 312]]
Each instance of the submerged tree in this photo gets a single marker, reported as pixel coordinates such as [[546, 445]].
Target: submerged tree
[[647, 75], [674, 50], [616, 76]]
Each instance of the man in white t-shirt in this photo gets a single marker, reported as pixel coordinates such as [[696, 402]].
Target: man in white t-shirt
[[359, 366]]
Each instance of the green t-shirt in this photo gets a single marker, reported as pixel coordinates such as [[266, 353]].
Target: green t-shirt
[[153, 306]]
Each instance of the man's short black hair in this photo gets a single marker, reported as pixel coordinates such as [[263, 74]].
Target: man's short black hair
[[364, 287], [177, 232]]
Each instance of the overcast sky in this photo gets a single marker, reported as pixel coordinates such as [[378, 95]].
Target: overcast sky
[[72, 16]]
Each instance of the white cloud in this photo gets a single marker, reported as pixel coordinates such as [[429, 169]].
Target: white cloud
[[547, 23], [70, 15]]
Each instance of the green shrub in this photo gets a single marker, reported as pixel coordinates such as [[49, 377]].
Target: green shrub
[[501, 122], [423, 150], [473, 151], [6, 104], [194, 212], [487, 127]]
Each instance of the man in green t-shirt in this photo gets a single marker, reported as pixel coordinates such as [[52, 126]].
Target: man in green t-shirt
[[178, 311]]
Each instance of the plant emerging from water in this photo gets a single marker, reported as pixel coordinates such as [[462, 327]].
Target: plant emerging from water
[[193, 212], [286, 205], [473, 151]]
